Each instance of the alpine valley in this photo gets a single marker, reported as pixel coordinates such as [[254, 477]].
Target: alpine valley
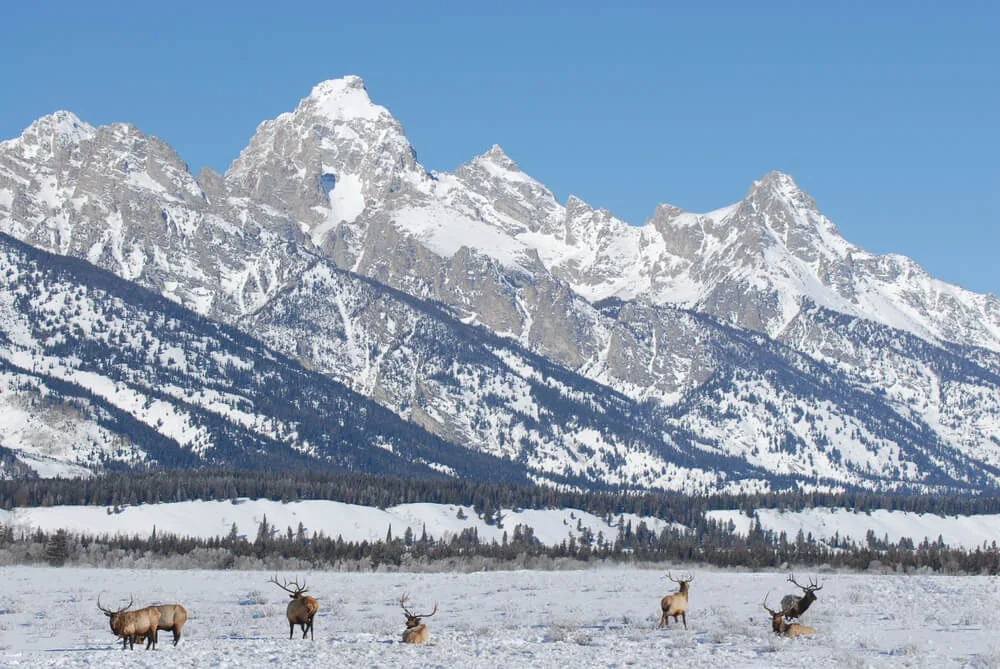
[[329, 303]]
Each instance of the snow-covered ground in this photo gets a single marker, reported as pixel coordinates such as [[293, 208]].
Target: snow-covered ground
[[589, 618]]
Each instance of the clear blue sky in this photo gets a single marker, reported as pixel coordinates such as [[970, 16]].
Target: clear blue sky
[[889, 116]]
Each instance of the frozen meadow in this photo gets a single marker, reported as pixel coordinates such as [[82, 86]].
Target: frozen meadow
[[599, 617]]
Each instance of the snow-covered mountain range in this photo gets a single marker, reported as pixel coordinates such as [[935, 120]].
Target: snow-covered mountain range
[[751, 347]]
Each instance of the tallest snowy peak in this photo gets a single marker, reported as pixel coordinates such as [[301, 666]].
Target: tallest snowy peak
[[342, 99], [497, 157], [780, 186]]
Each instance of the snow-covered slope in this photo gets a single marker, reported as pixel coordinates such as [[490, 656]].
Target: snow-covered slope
[[212, 519]]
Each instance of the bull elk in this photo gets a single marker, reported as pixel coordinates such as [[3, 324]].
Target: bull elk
[[133, 625], [301, 610], [794, 606], [782, 627], [676, 604], [416, 631]]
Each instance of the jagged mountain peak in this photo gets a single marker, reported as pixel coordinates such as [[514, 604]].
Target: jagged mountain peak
[[52, 133], [341, 100], [778, 187], [498, 157]]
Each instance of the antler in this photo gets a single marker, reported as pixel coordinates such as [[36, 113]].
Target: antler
[[109, 611], [296, 589], [681, 580], [812, 587], [406, 611], [768, 609]]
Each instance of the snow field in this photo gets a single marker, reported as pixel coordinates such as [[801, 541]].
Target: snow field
[[603, 617]]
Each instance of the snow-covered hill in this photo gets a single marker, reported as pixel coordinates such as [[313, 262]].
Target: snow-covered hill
[[551, 527]]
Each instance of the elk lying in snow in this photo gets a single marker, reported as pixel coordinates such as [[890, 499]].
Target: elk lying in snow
[[676, 603], [793, 606], [301, 610], [416, 631], [781, 626], [133, 625]]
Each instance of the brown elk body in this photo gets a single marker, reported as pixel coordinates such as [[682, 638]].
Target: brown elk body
[[172, 619], [784, 628], [133, 625], [416, 631], [793, 606], [676, 604], [301, 610]]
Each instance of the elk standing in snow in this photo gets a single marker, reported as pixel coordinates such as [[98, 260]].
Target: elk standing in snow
[[133, 625], [301, 610], [781, 626], [676, 603], [172, 618], [416, 631], [793, 606]]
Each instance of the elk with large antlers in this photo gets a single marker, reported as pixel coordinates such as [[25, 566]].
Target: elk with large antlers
[[676, 604], [781, 626], [301, 610], [133, 625], [794, 606], [416, 631]]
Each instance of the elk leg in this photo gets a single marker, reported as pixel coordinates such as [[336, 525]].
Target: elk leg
[[177, 636], [291, 629], [684, 616]]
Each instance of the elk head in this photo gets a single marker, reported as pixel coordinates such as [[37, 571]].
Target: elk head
[[796, 606], [780, 626], [416, 631], [295, 591], [684, 583], [114, 616]]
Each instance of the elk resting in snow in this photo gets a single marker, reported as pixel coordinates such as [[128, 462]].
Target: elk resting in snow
[[781, 626], [301, 610], [133, 625], [416, 631], [676, 603], [793, 606]]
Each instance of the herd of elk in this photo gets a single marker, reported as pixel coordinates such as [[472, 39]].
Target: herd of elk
[[416, 631], [132, 626], [301, 610], [676, 604]]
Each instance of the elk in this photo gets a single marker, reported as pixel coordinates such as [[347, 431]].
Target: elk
[[794, 606], [172, 618], [301, 610], [784, 628], [416, 631], [676, 604], [133, 625]]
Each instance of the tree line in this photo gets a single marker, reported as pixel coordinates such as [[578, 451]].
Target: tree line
[[710, 544], [132, 488]]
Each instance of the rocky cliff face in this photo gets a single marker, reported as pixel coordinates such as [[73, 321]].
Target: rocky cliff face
[[755, 331]]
